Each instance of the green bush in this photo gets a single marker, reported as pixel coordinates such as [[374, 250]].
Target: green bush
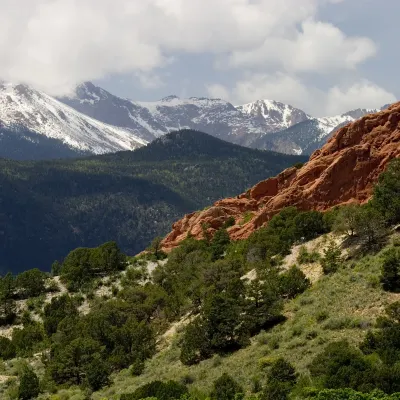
[[309, 225], [332, 258], [225, 388], [82, 265], [281, 378], [29, 385], [27, 339], [7, 349], [386, 198], [342, 366], [390, 272], [170, 390], [305, 257], [58, 309], [293, 282], [31, 283]]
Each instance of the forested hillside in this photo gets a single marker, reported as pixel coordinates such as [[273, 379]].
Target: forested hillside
[[305, 308], [48, 208]]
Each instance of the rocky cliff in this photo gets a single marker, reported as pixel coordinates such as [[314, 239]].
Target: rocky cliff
[[344, 170]]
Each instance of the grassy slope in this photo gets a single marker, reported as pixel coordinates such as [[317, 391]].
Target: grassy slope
[[350, 301]]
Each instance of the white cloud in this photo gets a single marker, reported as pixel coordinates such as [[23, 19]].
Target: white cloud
[[218, 91], [290, 90], [55, 44], [318, 47], [362, 94]]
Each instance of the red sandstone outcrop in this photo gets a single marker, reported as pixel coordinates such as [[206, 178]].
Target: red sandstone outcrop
[[342, 171]]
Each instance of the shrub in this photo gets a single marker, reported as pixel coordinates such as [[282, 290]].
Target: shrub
[[29, 385], [309, 225], [293, 282], [31, 283], [58, 309], [7, 348], [27, 338], [280, 380], [340, 366], [97, 373], [229, 222], [161, 390], [347, 219], [390, 272], [225, 388], [386, 197], [137, 367], [305, 257], [370, 226], [219, 243], [332, 260]]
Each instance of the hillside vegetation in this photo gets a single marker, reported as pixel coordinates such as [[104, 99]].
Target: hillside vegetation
[[219, 319], [48, 208]]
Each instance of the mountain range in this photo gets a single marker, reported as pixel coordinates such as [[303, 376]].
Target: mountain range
[[35, 125]]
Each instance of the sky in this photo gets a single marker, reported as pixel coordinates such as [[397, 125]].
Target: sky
[[323, 56]]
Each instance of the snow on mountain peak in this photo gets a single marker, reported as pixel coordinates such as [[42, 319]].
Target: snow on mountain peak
[[277, 115], [22, 106]]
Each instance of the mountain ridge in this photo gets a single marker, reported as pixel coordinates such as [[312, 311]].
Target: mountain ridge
[[94, 120], [35, 111]]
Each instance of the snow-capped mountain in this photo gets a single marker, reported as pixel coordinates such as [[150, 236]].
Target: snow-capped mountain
[[275, 115], [94, 121], [153, 119], [263, 124], [309, 135], [23, 109]]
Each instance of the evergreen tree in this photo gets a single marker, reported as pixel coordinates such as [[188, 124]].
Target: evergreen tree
[[7, 348], [347, 219], [370, 226], [226, 388], [219, 243], [386, 197], [29, 385], [390, 276], [31, 283], [7, 302], [332, 259]]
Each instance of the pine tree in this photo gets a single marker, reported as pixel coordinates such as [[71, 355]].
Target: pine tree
[[29, 385]]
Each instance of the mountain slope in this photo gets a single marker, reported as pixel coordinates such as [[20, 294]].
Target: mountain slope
[[308, 135], [21, 144], [103, 106], [263, 124], [24, 109], [51, 207], [275, 115], [153, 119], [342, 171]]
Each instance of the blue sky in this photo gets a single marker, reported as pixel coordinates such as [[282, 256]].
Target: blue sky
[[324, 56]]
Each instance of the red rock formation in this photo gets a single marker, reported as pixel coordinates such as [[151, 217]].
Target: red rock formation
[[342, 171]]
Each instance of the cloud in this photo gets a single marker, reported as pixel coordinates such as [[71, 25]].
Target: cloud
[[218, 91], [288, 89], [318, 47], [362, 94], [54, 44]]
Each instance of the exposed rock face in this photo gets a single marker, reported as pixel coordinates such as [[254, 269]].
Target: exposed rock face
[[344, 170]]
